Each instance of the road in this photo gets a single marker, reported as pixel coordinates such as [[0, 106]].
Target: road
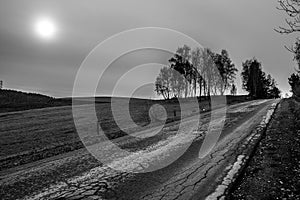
[[188, 177]]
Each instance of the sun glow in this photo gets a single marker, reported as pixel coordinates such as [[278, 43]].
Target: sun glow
[[45, 28]]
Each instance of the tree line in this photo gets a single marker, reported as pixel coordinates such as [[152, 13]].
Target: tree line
[[258, 83], [292, 9], [202, 72]]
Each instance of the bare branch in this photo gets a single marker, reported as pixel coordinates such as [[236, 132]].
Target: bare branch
[[292, 8], [290, 49]]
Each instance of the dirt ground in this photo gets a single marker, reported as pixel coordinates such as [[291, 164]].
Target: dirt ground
[[274, 170]]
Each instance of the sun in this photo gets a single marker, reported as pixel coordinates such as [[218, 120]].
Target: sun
[[45, 28]]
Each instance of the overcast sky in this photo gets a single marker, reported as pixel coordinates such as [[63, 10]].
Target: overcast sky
[[48, 65]]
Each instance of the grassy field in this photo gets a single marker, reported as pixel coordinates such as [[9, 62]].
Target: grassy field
[[27, 136], [11, 100]]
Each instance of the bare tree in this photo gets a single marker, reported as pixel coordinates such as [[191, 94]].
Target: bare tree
[[196, 62], [214, 73], [292, 9], [209, 70], [226, 69], [163, 83]]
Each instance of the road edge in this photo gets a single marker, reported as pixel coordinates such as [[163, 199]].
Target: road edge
[[235, 170]]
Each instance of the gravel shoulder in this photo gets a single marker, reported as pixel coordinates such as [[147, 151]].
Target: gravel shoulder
[[274, 170]]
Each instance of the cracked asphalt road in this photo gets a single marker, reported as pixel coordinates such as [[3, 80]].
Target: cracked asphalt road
[[189, 177]]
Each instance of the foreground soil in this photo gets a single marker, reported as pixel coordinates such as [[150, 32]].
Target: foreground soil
[[274, 170]]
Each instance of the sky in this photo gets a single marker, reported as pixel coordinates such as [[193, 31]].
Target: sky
[[31, 61]]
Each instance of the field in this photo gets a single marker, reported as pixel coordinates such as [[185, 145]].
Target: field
[[31, 135], [11, 100]]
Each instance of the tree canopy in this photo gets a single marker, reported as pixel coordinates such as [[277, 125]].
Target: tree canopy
[[294, 82], [256, 82], [202, 72], [196, 72]]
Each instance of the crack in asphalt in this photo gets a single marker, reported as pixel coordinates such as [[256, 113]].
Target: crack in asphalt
[[182, 185], [181, 182], [243, 156]]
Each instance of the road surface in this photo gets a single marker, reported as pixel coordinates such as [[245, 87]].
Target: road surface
[[189, 177]]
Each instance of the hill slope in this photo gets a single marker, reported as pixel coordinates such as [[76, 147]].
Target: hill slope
[[11, 100]]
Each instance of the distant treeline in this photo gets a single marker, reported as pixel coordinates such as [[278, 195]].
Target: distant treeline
[[197, 72], [11, 100], [202, 72]]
